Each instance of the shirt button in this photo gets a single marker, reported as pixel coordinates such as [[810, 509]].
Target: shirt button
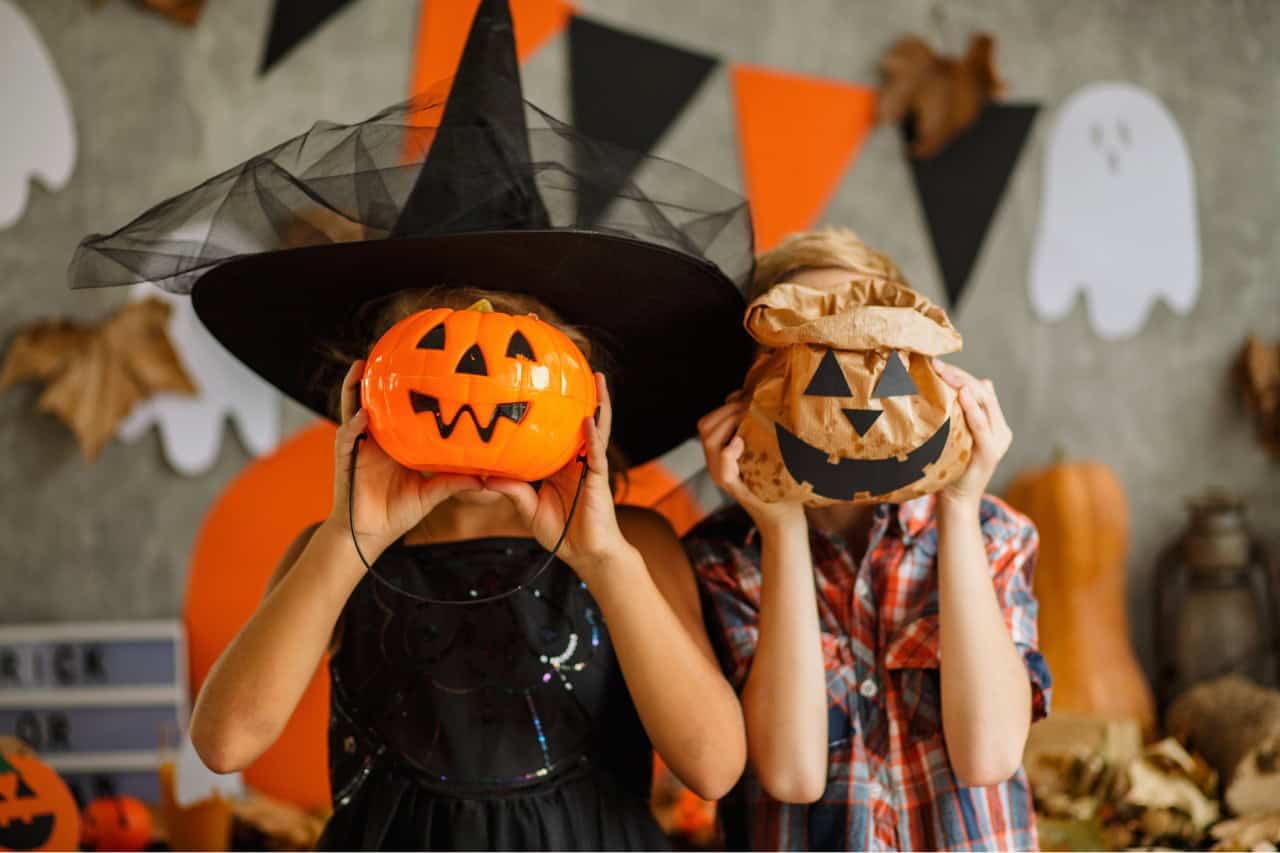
[[869, 689]]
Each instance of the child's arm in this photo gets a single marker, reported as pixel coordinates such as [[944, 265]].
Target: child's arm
[[258, 681], [649, 599], [646, 597], [784, 698], [986, 692]]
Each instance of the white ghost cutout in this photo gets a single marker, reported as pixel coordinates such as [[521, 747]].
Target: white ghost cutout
[[1119, 212], [191, 427], [38, 138]]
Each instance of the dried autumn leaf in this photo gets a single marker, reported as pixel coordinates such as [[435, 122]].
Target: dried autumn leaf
[[942, 95], [185, 12], [1248, 833], [95, 375], [1258, 376], [42, 351]]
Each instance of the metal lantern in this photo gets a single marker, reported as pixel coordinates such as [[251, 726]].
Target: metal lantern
[[1217, 601]]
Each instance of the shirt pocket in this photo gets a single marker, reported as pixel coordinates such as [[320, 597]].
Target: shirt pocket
[[911, 663]]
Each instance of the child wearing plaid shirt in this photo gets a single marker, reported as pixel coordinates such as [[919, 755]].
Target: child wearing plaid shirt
[[832, 623]]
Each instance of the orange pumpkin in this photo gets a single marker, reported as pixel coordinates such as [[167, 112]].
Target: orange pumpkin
[[478, 392], [116, 823], [37, 811], [1082, 514]]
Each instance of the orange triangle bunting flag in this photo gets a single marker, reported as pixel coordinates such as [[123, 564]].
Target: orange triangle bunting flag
[[797, 136]]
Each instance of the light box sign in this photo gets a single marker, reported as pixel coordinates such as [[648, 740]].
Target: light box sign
[[99, 701]]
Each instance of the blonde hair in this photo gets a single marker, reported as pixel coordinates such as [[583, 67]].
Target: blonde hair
[[827, 247]]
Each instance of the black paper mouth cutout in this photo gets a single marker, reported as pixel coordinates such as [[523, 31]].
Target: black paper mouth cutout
[[27, 834], [840, 481], [513, 412]]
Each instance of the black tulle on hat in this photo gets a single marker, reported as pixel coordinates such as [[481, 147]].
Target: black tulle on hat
[[469, 187]]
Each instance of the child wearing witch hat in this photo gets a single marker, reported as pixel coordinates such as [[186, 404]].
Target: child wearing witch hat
[[865, 575], [502, 653]]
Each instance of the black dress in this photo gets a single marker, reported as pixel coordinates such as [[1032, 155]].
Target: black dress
[[504, 724]]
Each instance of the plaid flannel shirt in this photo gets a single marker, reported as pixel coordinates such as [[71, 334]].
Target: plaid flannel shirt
[[889, 784]]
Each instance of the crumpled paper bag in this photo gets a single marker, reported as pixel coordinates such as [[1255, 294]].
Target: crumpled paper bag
[[832, 418]]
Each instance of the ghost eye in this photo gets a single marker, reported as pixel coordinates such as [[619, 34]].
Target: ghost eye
[[894, 380], [433, 339], [519, 346], [1095, 134], [828, 380], [1122, 130]]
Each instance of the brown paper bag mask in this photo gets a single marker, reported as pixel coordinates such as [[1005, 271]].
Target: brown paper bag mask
[[845, 405]]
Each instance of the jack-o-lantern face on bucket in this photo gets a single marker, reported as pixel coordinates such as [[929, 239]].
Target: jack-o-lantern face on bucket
[[478, 392], [845, 403], [37, 811]]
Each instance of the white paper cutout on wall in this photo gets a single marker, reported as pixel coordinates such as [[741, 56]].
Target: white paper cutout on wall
[[37, 138], [194, 782], [191, 428], [1118, 217]]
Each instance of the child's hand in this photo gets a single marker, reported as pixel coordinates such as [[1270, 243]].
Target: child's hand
[[723, 448], [389, 498], [593, 536], [990, 431]]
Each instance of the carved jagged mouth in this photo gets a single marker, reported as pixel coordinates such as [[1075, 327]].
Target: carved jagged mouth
[[27, 834], [841, 481], [513, 412]]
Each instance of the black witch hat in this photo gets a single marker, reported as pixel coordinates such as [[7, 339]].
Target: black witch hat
[[469, 187]]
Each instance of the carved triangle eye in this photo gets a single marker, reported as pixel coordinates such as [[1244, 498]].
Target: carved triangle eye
[[894, 380], [518, 346], [433, 339], [472, 362], [828, 380]]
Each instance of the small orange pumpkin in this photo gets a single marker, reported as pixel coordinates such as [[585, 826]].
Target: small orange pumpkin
[[478, 392], [116, 823], [37, 811]]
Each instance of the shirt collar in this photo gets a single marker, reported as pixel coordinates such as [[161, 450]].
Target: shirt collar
[[915, 515], [909, 517]]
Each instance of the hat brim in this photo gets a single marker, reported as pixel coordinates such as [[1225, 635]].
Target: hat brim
[[671, 323]]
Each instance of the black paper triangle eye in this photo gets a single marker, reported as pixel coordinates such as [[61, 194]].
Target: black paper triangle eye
[[433, 339], [828, 380], [894, 381], [519, 346], [472, 362]]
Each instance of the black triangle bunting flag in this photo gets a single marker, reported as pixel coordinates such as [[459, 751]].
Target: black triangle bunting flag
[[961, 187], [291, 22], [627, 89]]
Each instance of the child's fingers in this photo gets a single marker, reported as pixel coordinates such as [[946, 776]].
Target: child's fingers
[[716, 417], [351, 389], [718, 433], [954, 376], [604, 414], [437, 489], [347, 435], [1002, 435], [597, 452], [521, 494], [975, 416]]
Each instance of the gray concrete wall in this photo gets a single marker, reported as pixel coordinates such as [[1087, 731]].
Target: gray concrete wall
[[158, 108]]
